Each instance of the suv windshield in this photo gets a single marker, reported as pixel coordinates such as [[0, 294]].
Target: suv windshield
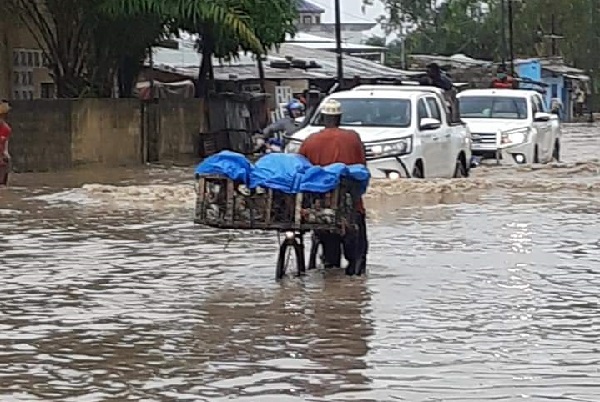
[[371, 112], [490, 107]]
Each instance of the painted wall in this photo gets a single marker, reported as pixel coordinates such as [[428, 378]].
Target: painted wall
[[50, 135], [556, 85], [531, 69]]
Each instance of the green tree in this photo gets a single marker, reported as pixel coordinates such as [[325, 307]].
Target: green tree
[[271, 21], [90, 42], [85, 48], [214, 20]]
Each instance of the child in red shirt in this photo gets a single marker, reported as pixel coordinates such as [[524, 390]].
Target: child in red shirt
[[5, 133]]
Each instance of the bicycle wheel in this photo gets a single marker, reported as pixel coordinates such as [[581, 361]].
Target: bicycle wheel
[[300, 262]]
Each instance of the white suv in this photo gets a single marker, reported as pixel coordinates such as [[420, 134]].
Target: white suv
[[510, 125], [405, 129]]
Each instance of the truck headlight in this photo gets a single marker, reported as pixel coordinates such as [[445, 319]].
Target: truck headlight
[[293, 147], [400, 147], [515, 137]]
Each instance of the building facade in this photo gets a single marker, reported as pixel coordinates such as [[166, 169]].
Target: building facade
[[310, 22], [23, 72]]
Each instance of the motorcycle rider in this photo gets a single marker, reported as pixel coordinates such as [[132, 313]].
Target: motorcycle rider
[[287, 125]]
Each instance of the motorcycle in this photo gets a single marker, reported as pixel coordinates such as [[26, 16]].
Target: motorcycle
[[264, 146]]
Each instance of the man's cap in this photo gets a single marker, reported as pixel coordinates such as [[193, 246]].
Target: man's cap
[[331, 107]]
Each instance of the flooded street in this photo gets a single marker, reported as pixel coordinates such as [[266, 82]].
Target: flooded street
[[477, 290]]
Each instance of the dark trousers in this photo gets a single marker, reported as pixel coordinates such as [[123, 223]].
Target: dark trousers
[[355, 245], [4, 169]]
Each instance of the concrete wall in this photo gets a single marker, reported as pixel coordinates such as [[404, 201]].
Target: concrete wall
[[41, 139], [106, 131], [59, 134], [180, 124]]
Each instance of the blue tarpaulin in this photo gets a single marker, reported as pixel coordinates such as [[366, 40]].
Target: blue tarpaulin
[[226, 163], [288, 173]]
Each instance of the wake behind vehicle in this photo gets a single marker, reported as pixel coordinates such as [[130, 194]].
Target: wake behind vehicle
[[510, 125], [407, 131]]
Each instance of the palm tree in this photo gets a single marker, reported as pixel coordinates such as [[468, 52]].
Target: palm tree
[[204, 17]]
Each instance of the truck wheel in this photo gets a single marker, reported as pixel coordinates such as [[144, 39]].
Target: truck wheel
[[460, 172], [536, 155], [418, 172], [556, 151]]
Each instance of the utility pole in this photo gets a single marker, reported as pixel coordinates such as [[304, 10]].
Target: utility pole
[[510, 37], [591, 100], [553, 37], [338, 43], [503, 29]]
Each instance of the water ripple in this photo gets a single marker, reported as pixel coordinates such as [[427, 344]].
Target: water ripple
[[487, 292]]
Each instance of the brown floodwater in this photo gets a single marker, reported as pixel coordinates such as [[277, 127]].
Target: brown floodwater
[[477, 290]]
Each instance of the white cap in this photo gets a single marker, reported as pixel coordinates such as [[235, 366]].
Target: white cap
[[331, 107], [4, 107]]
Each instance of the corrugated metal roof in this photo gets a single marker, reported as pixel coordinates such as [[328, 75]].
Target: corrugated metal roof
[[554, 64], [308, 7], [185, 61]]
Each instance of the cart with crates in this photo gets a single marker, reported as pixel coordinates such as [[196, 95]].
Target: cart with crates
[[228, 204]]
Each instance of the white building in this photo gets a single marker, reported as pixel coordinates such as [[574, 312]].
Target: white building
[[314, 34]]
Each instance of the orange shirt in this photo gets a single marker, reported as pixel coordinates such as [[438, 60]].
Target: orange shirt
[[509, 83], [335, 145]]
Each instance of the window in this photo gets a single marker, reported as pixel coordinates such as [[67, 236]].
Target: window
[[47, 91], [434, 108], [318, 19], [422, 112], [25, 61], [534, 107], [307, 19], [492, 107], [539, 103], [371, 112]]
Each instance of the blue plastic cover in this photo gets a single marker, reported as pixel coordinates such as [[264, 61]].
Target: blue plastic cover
[[279, 171], [293, 173], [288, 173], [226, 163]]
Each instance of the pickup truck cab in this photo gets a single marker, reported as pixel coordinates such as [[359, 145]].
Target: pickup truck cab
[[405, 129], [510, 125]]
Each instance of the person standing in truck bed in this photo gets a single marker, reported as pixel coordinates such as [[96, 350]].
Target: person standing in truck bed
[[336, 145]]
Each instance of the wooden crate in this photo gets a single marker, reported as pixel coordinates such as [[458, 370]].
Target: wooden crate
[[223, 203]]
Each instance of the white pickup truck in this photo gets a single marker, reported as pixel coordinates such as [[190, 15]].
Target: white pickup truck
[[406, 131], [510, 125]]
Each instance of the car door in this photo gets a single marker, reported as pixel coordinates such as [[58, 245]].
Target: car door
[[544, 134], [446, 158], [427, 140]]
